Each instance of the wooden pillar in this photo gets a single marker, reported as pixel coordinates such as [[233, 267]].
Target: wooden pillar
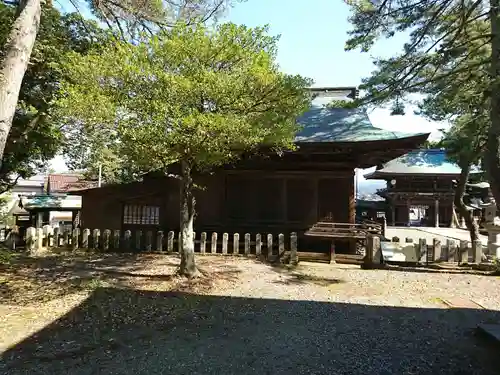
[[368, 259], [315, 199], [408, 205], [39, 219], [352, 200], [436, 213]]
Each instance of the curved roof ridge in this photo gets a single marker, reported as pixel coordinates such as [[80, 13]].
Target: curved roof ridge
[[419, 162], [325, 124]]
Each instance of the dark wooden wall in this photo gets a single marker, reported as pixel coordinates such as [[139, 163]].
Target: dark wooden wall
[[233, 201]]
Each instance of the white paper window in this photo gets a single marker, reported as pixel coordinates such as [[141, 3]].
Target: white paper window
[[141, 215]]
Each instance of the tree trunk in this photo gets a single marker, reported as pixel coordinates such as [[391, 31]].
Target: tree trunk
[[492, 144], [12, 68], [460, 205], [454, 217], [187, 205]]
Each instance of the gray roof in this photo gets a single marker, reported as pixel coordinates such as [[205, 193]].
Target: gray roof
[[321, 124], [418, 162]]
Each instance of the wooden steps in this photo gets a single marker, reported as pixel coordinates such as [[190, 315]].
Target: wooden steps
[[325, 258]]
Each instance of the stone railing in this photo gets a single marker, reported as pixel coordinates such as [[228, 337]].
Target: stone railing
[[38, 240], [461, 252]]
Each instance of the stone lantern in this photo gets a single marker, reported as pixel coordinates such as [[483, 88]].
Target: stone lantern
[[492, 225]]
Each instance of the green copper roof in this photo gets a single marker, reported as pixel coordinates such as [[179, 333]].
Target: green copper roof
[[321, 124], [54, 202], [418, 162]]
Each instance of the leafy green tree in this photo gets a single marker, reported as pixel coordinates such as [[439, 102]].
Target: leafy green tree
[[34, 138], [194, 96], [125, 17], [128, 20], [449, 41], [459, 99]]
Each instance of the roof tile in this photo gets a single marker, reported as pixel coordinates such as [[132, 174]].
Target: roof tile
[[62, 183]]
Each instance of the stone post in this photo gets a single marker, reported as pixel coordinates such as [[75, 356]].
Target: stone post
[[39, 240], [75, 238], [213, 243], [422, 251], [450, 250], [494, 241], [269, 246], [96, 234], [373, 254], [281, 244], [106, 237], [127, 240], [294, 258], [463, 252], [477, 251], [85, 238], [116, 239], [47, 232], [258, 244], [170, 242], [225, 239], [159, 240], [30, 240], [247, 244], [236, 243], [57, 234], [436, 250]]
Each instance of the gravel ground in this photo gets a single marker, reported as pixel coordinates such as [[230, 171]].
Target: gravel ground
[[317, 319]]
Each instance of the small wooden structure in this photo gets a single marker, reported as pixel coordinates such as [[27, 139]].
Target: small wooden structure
[[420, 183], [352, 233], [40, 206]]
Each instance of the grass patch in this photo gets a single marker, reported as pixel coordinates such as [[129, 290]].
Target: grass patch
[[6, 256]]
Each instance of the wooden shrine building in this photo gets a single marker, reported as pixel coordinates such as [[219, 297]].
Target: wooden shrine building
[[271, 194], [420, 188]]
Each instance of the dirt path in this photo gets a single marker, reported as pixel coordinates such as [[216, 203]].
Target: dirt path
[[256, 319]]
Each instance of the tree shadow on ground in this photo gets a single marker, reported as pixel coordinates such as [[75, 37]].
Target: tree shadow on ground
[[124, 331], [26, 280], [298, 274]]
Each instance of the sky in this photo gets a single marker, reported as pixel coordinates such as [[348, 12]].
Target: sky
[[313, 34]]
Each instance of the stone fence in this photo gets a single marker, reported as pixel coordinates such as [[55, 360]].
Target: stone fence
[[37, 240], [461, 252]]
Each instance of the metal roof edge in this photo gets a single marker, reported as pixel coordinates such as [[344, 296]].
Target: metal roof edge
[[372, 141], [382, 175], [353, 90]]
